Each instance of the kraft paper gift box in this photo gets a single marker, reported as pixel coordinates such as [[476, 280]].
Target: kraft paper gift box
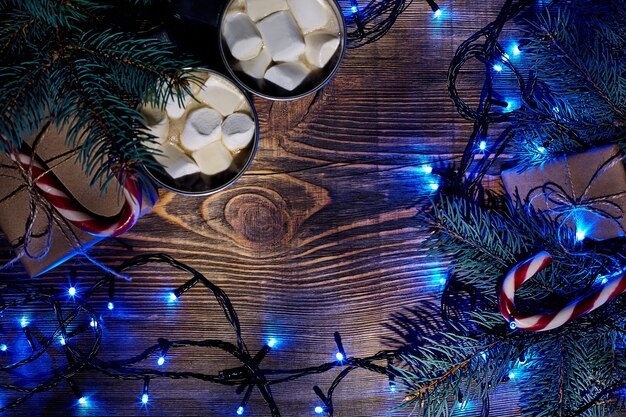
[[585, 192], [15, 210]]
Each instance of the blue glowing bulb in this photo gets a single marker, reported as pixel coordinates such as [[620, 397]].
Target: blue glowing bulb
[[339, 356], [497, 67], [272, 342], [442, 280], [580, 235], [24, 322], [427, 169], [516, 50], [82, 401], [240, 410], [173, 297], [483, 355], [513, 325], [62, 341], [110, 306], [541, 149], [511, 375], [144, 399], [319, 410], [433, 186], [392, 387], [604, 280], [4, 347], [160, 361], [93, 323], [482, 145], [72, 291], [438, 13], [354, 9]]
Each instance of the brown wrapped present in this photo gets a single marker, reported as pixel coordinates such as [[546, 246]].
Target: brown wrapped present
[[46, 250], [585, 192]]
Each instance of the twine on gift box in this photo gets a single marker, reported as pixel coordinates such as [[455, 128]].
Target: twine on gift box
[[40, 206], [564, 206]]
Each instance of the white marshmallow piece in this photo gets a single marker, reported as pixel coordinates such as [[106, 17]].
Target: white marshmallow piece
[[310, 14], [175, 162], [258, 9], [282, 37], [237, 130], [320, 48], [203, 127], [213, 159], [288, 75], [220, 96], [176, 105], [256, 67], [242, 37]]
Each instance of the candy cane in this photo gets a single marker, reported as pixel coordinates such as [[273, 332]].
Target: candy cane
[[615, 285], [59, 197]]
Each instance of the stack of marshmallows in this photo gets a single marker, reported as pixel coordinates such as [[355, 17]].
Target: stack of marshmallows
[[203, 133], [281, 41]]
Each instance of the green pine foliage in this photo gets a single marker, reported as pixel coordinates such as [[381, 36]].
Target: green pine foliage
[[71, 62], [563, 370], [578, 54]]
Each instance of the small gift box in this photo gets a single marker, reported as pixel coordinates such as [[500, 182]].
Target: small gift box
[[585, 192], [50, 244]]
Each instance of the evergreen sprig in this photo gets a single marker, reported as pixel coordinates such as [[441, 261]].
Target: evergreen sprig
[[72, 63]]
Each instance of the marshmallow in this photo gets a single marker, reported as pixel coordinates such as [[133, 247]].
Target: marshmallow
[[238, 130], [282, 36], [213, 159], [203, 127], [176, 105], [175, 162], [310, 14], [258, 9], [256, 67], [242, 37], [320, 48], [219, 95], [288, 75]]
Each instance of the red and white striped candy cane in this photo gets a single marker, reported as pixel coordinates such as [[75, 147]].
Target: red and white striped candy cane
[[614, 286], [59, 197]]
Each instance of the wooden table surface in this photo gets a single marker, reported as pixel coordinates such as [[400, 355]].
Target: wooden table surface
[[318, 236]]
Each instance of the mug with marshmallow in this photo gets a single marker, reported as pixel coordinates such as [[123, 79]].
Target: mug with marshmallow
[[282, 49]]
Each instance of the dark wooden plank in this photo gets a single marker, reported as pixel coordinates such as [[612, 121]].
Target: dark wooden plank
[[319, 236]]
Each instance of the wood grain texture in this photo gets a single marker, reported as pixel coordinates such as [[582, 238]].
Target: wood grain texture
[[318, 236]]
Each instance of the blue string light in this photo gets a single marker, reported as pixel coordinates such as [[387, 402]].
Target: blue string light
[[240, 411], [580, 234], [72, 291], [482, 145], [427, 169], [172, 297], [3, 347], [354, 9], [433, 186], [319, 410], [513, 325], [497, 67], [516, 50], [62, 341], [160, 361], [145, 398], [339, 356], [82, 401], [511, 375], [24, 322], [110, 306], [437, 13], [272, 342], [93, 323]]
